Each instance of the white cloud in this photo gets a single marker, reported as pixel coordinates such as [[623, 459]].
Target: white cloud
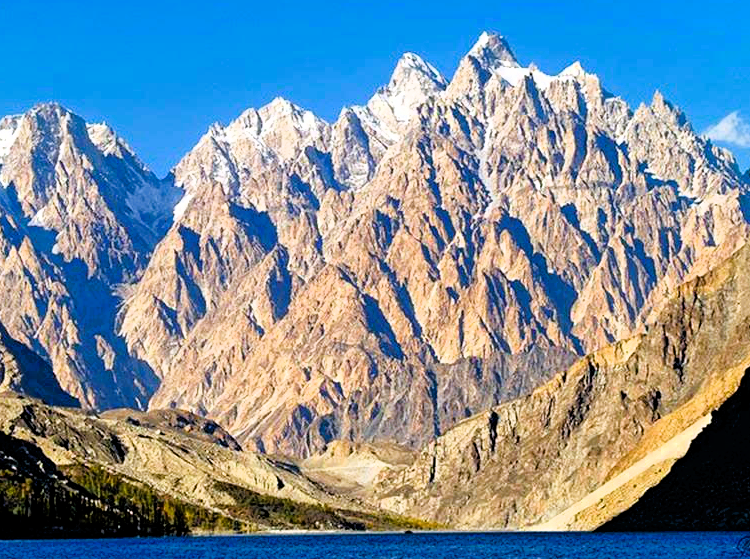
[[731, 129]]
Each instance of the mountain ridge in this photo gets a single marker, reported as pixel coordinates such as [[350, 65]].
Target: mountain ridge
[[442, 248]]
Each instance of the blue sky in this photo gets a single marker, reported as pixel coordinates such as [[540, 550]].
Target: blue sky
[[160, 72]]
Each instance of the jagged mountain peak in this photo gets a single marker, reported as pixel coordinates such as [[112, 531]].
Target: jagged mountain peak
[[575, 70], [51, 120], [664, 108], [69, 175], [396, 193], [413, 81], [281, 106], [49, 109], [281, 109], [278, 116], [412, 67], [492, 50], [491, 55]]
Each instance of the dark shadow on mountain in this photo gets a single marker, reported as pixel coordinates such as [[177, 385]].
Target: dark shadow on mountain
[[378, 324], [324, 164], [570, 213], [563, 295], [280, 286], [257, 224], [301, 188], [191, 241], [610, 150], [708, 488], [37, 379], [744, 200], [404, 298]]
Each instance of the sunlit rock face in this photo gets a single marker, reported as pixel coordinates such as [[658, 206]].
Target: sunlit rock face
[[441, 248], [80, 217], [664, 408]]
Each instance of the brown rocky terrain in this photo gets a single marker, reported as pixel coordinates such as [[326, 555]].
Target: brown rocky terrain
[[350, 468], [169, 455], [22, 371], [524, 463], [445, 247], [177, 462], [176, 420], [448, 246]]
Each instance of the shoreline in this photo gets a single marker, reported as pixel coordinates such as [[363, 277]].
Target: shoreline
[[322, 533]]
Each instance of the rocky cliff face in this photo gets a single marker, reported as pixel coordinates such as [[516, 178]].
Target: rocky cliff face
[[22, 371], [521, 464], [80, 216], [444, 247], [706, 489], [447, 246]]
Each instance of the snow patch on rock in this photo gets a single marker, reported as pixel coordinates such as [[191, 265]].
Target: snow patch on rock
[[8, 132]]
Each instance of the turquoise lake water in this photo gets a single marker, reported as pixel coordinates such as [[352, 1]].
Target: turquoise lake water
[[391, 546]]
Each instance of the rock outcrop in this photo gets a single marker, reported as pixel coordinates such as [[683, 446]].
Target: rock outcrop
[[22, 371], [707, 488], [156, 450], [66, 473], [523, 463]]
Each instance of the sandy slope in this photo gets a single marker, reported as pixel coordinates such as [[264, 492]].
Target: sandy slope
[[673, 449]]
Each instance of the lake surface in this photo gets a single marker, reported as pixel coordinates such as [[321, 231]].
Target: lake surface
[[390, 546]]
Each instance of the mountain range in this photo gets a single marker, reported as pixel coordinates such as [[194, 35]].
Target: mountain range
[[449, 246]]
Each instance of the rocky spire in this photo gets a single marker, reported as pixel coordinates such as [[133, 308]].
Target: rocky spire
[[493, 51], [412, 82]]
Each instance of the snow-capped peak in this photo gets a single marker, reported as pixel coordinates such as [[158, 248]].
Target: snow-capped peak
[[413, 67], [575, 70], [279, 105], [412, 82], [493, 51], [279, 114], [303, 120]]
